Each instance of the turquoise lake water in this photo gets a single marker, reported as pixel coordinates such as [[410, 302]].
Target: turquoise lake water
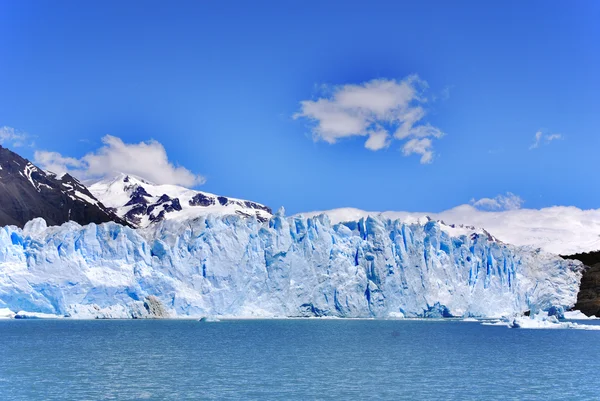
[[293, 359]]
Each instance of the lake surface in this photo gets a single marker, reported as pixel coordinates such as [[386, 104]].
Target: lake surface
[[293, 359]]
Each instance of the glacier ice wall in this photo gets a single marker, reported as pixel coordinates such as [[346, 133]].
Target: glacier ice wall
[[234, 266]]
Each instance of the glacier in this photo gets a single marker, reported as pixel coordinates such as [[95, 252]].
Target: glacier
[[232, 266]]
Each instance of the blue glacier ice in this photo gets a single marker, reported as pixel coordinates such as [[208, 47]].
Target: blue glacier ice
[[288, 266]]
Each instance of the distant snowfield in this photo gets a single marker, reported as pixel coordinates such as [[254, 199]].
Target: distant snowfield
[[561, 230]]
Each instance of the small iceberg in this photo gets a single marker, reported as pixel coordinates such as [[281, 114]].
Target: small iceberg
[[541, 320]]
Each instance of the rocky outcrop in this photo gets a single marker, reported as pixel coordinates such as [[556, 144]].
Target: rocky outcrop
[[588, 299], [155, 308], [27, 192]]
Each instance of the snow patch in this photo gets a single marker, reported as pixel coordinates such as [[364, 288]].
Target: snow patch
[[86, 198], [578, 315]]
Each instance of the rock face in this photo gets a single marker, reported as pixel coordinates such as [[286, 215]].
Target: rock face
[[239, 266], [27, 192], [588, 299], [155, 308]]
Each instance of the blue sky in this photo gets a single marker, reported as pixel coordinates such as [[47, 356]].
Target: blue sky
[[218, 84]]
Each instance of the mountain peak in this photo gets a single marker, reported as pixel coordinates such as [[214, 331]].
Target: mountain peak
[[142, 203]]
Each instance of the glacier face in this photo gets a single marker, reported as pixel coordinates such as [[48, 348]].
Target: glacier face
[[295, 266]]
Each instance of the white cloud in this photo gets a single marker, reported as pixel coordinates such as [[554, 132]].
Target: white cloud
[[409, 118], [382, 109], [421, 147], [12, 137], [509, 201], [378, 140], [55, 162], [543, 139], [145, 159]]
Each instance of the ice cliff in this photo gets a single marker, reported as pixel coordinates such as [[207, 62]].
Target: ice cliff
[[295, 266]]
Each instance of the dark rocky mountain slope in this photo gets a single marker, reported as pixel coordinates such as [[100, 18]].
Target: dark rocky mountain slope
[[27, 191], [588, 299]]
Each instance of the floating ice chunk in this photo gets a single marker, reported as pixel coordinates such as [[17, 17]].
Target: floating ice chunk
[[470, 319], [540, 320], [527, 323]]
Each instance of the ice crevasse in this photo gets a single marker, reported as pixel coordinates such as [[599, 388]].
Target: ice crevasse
[[285, 267]]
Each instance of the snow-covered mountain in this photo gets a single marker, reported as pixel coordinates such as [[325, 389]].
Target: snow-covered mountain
[[561, 230], [141, 203], [235, 266], [27, 191]]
